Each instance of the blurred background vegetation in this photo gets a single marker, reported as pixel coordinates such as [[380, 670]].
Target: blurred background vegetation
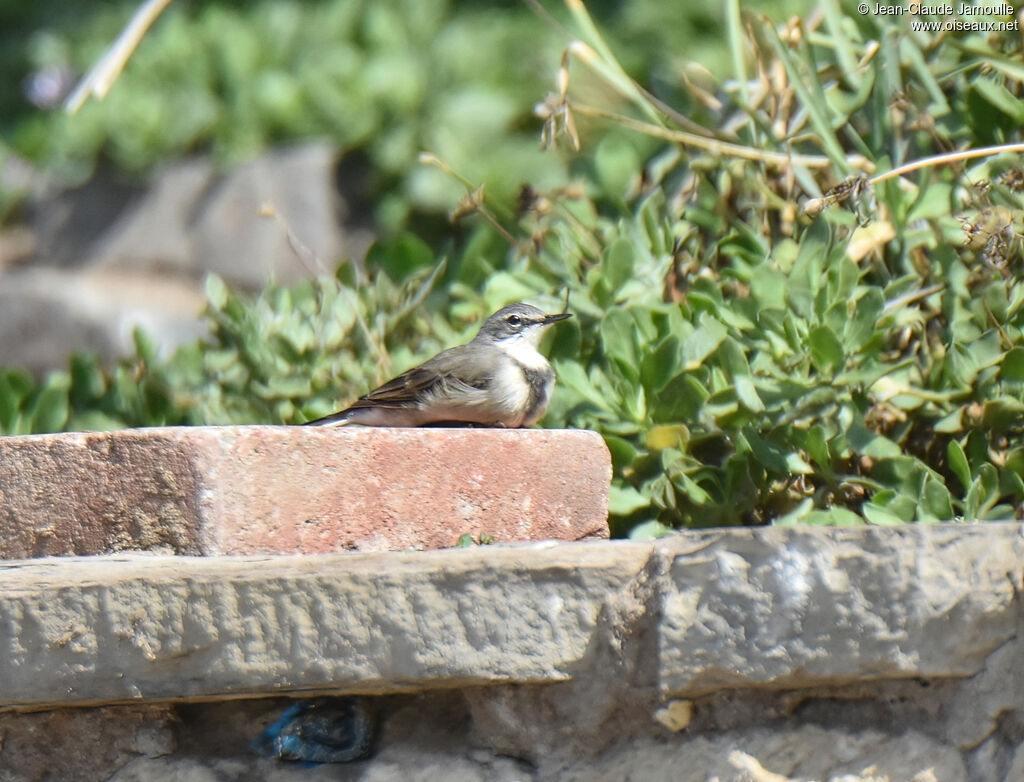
[[383, 81], [746, 361]]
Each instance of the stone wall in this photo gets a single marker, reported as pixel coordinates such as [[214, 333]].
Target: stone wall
[[749, 654], [93, 262]]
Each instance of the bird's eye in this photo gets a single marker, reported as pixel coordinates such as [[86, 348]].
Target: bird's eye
[[515, 320]]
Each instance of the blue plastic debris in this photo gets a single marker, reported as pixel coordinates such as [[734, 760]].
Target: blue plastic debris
[[321, 730]]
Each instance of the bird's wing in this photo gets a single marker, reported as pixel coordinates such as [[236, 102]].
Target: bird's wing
[[432, 379]]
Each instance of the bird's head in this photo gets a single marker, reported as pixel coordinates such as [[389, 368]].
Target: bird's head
[[517, 323]]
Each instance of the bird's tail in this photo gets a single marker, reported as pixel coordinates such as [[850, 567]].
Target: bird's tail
[[334, 419]]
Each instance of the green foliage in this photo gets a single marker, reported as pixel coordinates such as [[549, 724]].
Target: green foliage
[[468, 541], [289, 355], [748, 369], [384, 79], [745, 364]]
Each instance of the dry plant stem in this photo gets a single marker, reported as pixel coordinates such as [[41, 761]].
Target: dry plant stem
[[430, 159], [950, 157], [302, 252], [902, 301], [815, 205], [544, 14], [104, 73], [714, 146], [486, 213]]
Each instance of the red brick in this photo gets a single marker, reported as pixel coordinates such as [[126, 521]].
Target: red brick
[[267, 489]]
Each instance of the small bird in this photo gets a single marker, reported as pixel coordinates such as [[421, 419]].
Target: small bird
[[497, 379]]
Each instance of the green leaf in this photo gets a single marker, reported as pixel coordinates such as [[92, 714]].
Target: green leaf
[[1001, 98], [1002, 413], [658, 438], [826, 350], [817, 446], [798, 515], [283, 388], [936, 502], [967, 360], [48, 412], [843, 517], [145, 348], [680, 400], [504, 288], [703, 341], [870, 444], [1015, 460], [661, 364], [952, 423], [767, 453], [619, 260], [1011, 484], [934, 201], [1012, 367], [401, 256], [806, 274], [87, 381], [768, 287], [739, 372], [624, 500], [216, 292], [618, 340], [15, 386], [571, 375], [958, 463], [650, 530], [803, 77], [623, 452], [617, 165], [95, 421], [875, 514], [693, 491], [863, 320]]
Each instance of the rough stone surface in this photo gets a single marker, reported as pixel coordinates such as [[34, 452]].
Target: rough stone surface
[[45, 312], [97, 260], [191, 218], [802, 753], [81, 744], [68, 222], [234, 237], [154, 232], [779, 605], [990, 701], [432, 737], [247, 490], [540, 662], [108, 629], [105, 629]]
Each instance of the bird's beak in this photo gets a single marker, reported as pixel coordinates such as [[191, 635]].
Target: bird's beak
[[549, 319]]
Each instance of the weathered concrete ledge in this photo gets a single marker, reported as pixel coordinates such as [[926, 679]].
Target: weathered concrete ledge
[[766, 608], [277, 489]]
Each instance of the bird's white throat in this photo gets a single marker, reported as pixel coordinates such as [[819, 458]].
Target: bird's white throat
[[523, 352]]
